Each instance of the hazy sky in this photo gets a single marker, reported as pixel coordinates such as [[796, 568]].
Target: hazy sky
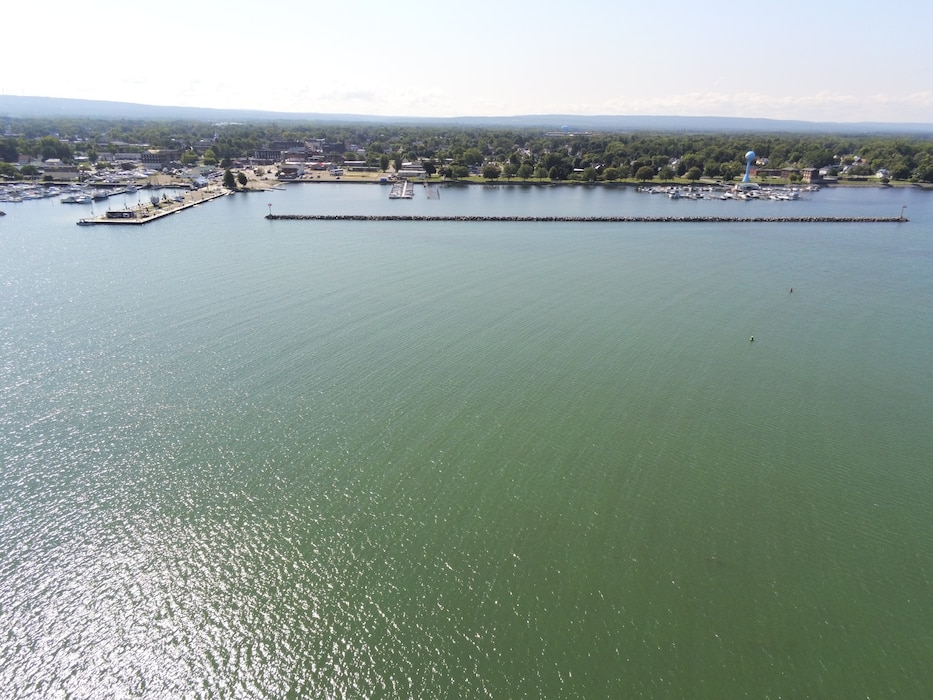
[[819, 60]]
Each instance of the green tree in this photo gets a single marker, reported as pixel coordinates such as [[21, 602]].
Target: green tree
[[189, 158], [694, 173], [384, 162], [728, 171], [644, 173], [860, 171], [229, 181], [901, 172], [473, 156], [611, 174], [924, 172], [8, 152], [491, 171], [210, 158], [526, 171], [241, 179], [51, 147], [666, 172], [712, 168]]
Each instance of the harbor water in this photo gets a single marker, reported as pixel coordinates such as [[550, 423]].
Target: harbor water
[[245, 458]]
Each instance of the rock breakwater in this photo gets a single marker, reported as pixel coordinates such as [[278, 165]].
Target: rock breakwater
[[596, 219]]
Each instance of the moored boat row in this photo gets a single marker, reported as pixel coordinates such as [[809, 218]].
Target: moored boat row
[[595, 219]]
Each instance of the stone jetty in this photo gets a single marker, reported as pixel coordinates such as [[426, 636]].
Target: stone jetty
[[599, 219]]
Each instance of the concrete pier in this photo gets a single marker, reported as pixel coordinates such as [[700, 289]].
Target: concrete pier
[[147, 213]]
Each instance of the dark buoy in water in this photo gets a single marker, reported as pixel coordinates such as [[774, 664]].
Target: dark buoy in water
[[791, 290], [751, 339]]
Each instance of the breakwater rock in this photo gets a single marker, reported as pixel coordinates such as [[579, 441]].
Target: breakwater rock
[[597, 219]]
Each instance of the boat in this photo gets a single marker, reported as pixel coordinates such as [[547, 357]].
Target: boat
[[76, 198]]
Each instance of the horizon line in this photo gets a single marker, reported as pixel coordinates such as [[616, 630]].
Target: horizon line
[[486, 117]]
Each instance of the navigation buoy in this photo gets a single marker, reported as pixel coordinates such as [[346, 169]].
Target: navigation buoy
[[751, 339]]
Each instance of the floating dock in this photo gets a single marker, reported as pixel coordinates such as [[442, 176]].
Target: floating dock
[[601, 219], [402, 189]]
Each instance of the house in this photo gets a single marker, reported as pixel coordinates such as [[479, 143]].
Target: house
[[410, 170], [291, 171], [809, 175], [53, 168], [359, 166], [160, 158], [296, 154], [203, 144], [120, 157], [284, 145], [267, 156]]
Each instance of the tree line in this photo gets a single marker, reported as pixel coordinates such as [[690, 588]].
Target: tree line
[[492, 152]]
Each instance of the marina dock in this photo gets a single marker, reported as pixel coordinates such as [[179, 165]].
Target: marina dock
[[153, 210], [402, 189]]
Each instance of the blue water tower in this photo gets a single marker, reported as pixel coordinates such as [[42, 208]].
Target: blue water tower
[[749, 159]]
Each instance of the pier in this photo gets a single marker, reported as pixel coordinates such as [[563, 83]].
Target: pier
[[147, 213], [600, 219], [402, 189]]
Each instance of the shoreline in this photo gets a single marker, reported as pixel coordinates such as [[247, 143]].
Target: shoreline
[[362, 180], [266, 182]]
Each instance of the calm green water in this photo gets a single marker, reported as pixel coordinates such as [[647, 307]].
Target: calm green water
[[330, 460]]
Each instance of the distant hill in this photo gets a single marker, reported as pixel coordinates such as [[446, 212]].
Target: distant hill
[[23, 107]]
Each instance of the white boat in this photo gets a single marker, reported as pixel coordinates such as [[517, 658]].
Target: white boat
[[76, 198]]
